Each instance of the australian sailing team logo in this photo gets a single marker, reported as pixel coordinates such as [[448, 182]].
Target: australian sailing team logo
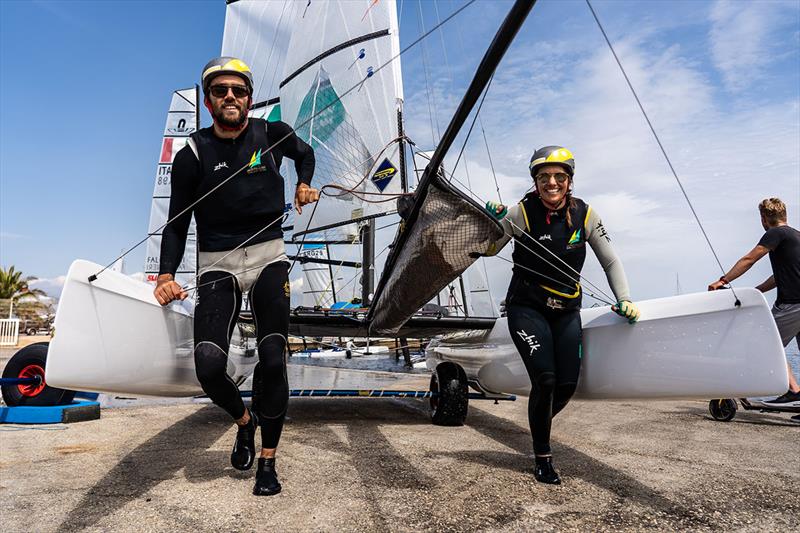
[[575, 240], [386, 171], [255, 163]]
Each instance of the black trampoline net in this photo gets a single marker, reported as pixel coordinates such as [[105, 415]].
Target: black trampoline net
[[440, 241]]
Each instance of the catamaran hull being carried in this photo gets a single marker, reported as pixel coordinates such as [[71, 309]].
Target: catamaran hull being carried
[[696, 346], [113, 336]]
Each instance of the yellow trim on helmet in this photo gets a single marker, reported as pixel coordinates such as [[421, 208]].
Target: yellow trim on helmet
[[565, 295], [236, 65], [562, 155], [525, 216]]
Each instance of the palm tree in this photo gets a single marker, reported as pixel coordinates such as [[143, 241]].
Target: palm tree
[[13, 287]]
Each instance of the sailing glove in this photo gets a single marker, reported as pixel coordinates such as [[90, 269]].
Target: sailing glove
[[496, 209], [626, 309]]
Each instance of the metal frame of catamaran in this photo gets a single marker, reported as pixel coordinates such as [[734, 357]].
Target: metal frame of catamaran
[[394, 305]]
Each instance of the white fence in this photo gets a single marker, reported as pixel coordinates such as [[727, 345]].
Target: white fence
[[9, 331]]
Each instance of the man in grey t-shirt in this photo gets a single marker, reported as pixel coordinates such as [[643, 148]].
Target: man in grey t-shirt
[[782, 243]]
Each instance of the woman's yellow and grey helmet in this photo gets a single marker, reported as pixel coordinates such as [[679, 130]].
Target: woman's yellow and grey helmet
[[226, 65], [552, 155]]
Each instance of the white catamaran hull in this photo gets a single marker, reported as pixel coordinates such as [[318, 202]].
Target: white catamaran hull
[[696, 346], [113, 336]]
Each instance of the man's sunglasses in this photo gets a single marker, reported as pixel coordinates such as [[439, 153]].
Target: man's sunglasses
[[221, 91]]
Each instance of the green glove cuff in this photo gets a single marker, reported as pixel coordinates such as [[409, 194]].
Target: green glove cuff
[[497, 210]]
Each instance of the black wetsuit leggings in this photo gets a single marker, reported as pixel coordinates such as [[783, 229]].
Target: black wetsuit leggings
[[549, 343], [214, 319]]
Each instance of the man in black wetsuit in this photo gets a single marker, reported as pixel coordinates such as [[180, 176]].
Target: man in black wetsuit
[[241, 250], [782, 243]]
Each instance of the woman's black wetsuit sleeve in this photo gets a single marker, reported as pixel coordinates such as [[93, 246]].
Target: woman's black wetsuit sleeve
[[295, 148], [185, 176]]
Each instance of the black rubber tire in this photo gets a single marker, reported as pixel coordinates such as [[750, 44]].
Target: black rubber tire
[[723, 409], [30, 332], [33, 354], [450, 403]]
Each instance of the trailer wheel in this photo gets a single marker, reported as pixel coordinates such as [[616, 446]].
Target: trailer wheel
[[29, 362], [449, 401], [723, 409]]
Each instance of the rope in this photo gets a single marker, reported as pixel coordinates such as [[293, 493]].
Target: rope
[[661, 146]]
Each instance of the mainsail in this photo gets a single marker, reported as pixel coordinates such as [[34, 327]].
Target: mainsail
[[335, 46], [182, 121]]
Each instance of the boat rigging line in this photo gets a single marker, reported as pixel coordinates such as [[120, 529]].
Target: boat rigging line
[[416, 41], [738, 303]]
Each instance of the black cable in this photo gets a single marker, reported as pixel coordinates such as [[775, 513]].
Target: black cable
[[661, 146]]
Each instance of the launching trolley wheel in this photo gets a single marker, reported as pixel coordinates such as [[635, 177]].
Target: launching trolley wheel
[[449, 400], [723, 409], [29, 362]]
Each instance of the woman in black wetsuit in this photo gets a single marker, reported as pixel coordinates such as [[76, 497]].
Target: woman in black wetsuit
[[550, 228]]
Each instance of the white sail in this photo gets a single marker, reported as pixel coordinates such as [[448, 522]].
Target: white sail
[[334, 47], [258, 33], [182, 121]]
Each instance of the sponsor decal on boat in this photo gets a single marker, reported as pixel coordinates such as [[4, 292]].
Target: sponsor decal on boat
[[181, 128], [386, 171]]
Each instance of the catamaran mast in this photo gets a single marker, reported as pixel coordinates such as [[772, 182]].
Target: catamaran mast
[[368, 261]]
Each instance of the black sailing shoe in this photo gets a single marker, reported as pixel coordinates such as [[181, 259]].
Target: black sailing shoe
[[544, 471], [267, 482], [244, 449]]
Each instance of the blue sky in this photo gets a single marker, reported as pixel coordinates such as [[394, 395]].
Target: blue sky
[[85, 87]]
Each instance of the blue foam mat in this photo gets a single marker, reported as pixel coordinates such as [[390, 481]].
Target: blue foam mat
[[56, 414]]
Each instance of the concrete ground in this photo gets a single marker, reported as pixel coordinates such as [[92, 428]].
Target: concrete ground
[[378, 464]]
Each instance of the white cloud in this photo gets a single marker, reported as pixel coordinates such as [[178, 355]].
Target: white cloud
[[51, 286], [740, 39]]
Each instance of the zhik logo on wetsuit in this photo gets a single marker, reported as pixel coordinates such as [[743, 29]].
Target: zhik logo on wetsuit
[[530, 340], [218, 166], [255, 163], [546, 237], [602, 229]]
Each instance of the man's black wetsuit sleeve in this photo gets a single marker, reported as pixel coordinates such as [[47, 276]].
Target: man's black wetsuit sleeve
[[295, 148], [185, 176]]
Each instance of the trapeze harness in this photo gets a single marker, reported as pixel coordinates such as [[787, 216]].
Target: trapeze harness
[[234, 214], [544, 300]]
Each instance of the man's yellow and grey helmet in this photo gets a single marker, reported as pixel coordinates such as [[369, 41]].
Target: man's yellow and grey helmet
[[552, 155], [226, 65]]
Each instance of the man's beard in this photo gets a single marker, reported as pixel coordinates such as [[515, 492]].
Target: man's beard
[[234, 124]]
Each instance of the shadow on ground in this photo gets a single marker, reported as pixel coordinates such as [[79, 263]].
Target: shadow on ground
[[155, 460]]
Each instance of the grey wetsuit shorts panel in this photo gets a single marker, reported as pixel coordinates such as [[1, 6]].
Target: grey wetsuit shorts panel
[[246, 263], [787, 317]]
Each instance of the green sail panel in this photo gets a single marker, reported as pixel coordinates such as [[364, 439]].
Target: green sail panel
[[342, 157]]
